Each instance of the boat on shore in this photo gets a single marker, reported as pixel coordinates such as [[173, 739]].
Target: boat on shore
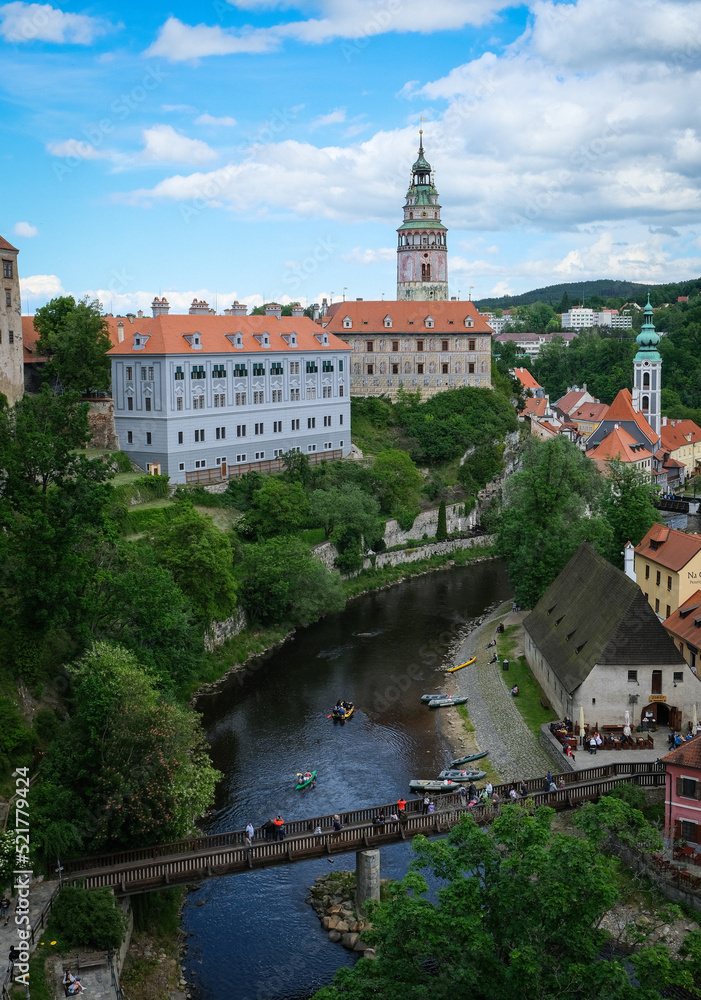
[[420, 786], [431, 697], [446, 702], [461, 761], [467, 663], [452, 774], [343, 712], [305, 780]]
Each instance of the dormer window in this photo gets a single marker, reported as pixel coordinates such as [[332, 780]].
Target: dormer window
[[193, 340], [347, 323], [323, 338], [388, 322], [290, 339], [140, 341], [429, 323], [469, 322]]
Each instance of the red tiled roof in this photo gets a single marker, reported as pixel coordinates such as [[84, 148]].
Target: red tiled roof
[[166, 334], [535, 407], [407, 317], [4, 245], [526, 379], [622, 409], [674, 433], [30, 336], [549, 427], [685, 622], [674, 548], [687, 755], [619, 444], [590, 411], [571, 400]]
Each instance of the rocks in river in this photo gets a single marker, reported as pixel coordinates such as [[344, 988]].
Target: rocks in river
[[334, 937], [331, 898], [342, 927], [348, 941]]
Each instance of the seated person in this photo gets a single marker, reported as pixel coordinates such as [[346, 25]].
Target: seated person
[[379, 820], [71, 984], [553, 787], [514, 690]]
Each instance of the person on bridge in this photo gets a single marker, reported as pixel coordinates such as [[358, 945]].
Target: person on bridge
[[425, 803], [401, 809], [279, 824], [337, 823], [250, 833], [379, 820]]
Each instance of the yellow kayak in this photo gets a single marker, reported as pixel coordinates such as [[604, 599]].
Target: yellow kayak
[[451, 670]]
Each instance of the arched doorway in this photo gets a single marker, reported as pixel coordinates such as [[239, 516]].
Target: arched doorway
[[662, 714]]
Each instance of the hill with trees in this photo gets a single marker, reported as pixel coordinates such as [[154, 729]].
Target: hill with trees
[[594, 294]]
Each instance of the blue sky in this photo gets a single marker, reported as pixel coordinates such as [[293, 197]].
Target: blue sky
[[260, 149]]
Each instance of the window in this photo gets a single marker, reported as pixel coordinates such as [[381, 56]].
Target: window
[[340, 390], [327, 366], [444, 369], [259, 429], [471, 368], [294, 395], [327, 391], [395, 369], [311, 392], [311, 368], [147, 403], [632, 676], [180, 437], [277, 426], [10, 336], [277, 395], [182, 466], [240, 398], [258, 397], [340, 366], [260, 454], [340, 419], [241, 431], [340, 444], [198, 402], [8, 297], [688, 789], [419, 345], [371, 369], [444, 345], [419, 369], [328, 445], [240, 371], [276, 368], [311, 447], [151, 373], [220, 433], [395, 346], [294, 367], [647, 572], [657, 605], [179, 374], [327, 421], [277, 452], [658, 578], [196, 372], [669, 583], [219, 371], [369, 346], [201, 464], [7, 269], [689, 831], [129, 373], [148, 437], [294, 426], [471, 345], [311, 423], [669, 611], [130, 437], [678, 676], [199, 435], [240, 458], [130, 402], [220, 399], [258, 369]]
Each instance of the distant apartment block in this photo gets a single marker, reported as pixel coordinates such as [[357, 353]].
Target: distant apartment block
[[585, 319]]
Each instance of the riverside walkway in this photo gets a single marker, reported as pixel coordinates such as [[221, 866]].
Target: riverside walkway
[[150, 868]]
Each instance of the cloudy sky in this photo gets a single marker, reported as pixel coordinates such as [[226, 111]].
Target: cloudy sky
[[260, 149]]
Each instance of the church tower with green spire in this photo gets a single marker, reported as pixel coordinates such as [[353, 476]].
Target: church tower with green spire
[[422, 254], [647, 373]]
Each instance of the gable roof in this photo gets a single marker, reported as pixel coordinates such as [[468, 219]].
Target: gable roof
[[526, 379], [571, 400], [669, 547], [592, 613], [4, 245], [619, 444], [685, 622], [621, 409], [407, 317], [589, 411], [535, 407], [674, 433], [687, 755], [166, 334]]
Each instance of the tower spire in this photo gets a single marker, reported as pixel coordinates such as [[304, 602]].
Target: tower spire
[[422, 266], [647, 372]]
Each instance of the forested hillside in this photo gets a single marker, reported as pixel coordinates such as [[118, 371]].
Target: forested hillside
[[595, 294]]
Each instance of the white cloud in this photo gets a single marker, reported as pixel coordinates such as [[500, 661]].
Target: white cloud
[[333, 118], [41, 285], [206, 119], [185, 108], [359, 256], [77, 149], [164, 145], [180, 42], [25, 229], [35, 22]]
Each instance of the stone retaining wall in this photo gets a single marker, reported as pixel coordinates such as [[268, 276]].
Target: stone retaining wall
[[554, 749], [101, 422], [427, 523], [219, 632], [383, 559]]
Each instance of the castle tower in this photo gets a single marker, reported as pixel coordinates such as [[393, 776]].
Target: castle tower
[[11, 352], [422, 254], [647, 373]]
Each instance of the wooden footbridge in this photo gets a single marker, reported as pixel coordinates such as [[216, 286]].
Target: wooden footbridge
[[148, 868]]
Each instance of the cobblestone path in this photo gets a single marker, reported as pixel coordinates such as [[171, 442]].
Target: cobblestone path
[[514, 752]]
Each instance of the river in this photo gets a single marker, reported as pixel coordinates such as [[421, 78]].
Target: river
[[252, 936]]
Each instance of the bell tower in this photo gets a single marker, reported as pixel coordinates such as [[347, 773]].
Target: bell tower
[[647, 373], [422, 254]]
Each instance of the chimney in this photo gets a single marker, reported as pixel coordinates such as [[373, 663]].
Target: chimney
[[358, 300], [131, 317], [584, 386], [160, 307], [120, 331], [199, 307], [664, 422], [236, 309], [297, 311], [273, 309], [140, 314], [629, 561], [316, 311]]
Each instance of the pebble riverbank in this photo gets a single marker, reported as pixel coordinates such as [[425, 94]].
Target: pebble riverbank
[[332, 897]]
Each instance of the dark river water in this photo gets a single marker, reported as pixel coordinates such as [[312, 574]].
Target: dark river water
[[252, 936]]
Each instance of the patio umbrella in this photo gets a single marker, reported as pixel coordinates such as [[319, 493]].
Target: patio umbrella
[[627, 717], [581, 723]]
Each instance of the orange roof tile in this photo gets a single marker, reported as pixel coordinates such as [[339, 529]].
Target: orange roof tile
[[571, 400], [526, 379], [685, 622], [590, 411], [674, 433], [619, 444], [549, 427], [4, 245], [407, 317], [622, 409], [687, 755], [166, 334], [672, 551], [535, 407]]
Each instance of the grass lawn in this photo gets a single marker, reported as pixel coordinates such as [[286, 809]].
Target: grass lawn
[[530, 692], [224, 518], [126, 477], [312, 536], [481, 765], [151, 504]]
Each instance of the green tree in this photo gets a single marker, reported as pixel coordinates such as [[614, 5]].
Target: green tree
[[276, 508], [345, 508], [442, 526], [88, 918], [76, 341], [545, 515], [397, 484], [451, 422], [283, 582], [626, 504], [517, 914], [200, 558], [297, 467]]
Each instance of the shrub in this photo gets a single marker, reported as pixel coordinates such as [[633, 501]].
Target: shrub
[[442, 526], [122, 461], [88, 919]]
